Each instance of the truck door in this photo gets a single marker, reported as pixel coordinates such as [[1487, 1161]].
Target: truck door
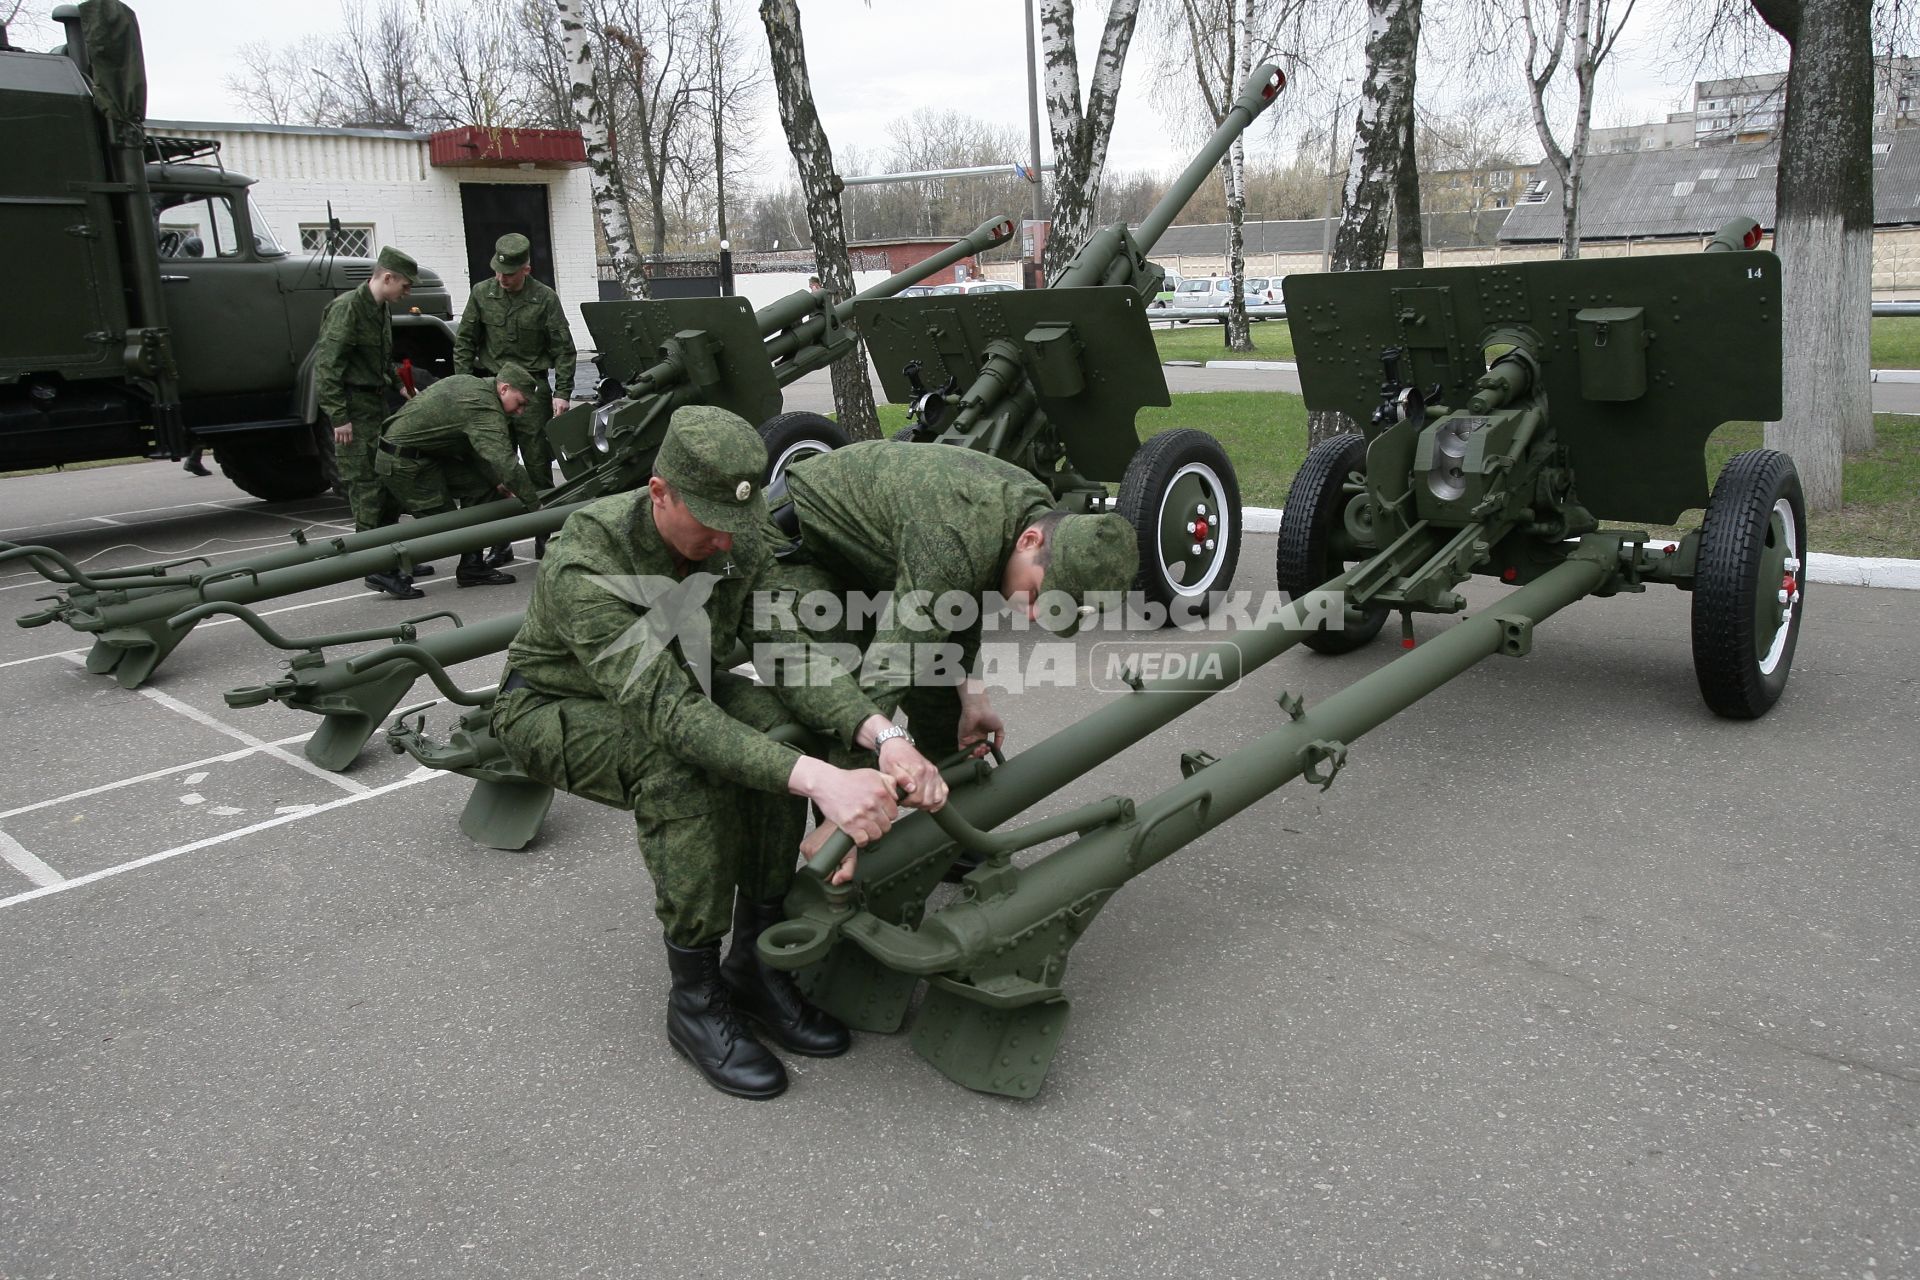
[[225, 310]]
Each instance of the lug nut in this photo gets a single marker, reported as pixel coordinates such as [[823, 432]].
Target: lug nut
[[1209, 544], [1201, 508], [1196, 548], [1793, 564], [1190, 526]]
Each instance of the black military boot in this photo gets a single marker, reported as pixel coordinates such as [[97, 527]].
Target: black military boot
[[474, 571], [423, 571], [540, 546], [769, 996], [703, 1028], [397, 585], [502, 554]]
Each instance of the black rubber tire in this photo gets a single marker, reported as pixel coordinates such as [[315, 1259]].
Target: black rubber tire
[[1737, 539], [788, 435], [1316, 504], [269, 464], [1153, 469]]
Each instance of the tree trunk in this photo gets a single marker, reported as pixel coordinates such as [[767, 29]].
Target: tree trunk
[[590, 113], [787, 53], [1380, 129], [1079, 138], [1823, 232], [1239, 332], [1410, 245]]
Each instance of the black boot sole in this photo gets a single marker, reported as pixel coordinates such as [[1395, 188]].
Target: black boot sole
[[748, 1094]]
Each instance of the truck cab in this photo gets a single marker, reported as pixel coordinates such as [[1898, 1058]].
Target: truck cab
[[167, 315]]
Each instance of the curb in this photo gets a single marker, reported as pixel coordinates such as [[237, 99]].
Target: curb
[[1845, 571], [1289, 366]]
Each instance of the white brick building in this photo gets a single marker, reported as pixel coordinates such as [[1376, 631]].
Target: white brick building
[[386, 188]]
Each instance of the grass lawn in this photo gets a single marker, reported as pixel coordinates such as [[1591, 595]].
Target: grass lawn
[[1896, 342], [1265, 434]]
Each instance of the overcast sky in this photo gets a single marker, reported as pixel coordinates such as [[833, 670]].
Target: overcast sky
[[872, 63]]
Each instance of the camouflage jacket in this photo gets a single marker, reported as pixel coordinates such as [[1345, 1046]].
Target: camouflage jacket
[[460, 416], [528, 328], [611, 594], [354, 353], [885, 515]]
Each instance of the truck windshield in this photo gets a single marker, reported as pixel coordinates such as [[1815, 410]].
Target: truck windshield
[[264, 240]]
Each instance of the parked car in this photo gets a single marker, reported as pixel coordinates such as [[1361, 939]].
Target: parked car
[[1164, 298], [976, 286], [1262, 291]]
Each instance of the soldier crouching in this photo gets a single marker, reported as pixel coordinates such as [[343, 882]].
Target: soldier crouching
[[600, 700]]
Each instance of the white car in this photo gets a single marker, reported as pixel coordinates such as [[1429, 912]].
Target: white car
[[1262, 291], [976, 286]]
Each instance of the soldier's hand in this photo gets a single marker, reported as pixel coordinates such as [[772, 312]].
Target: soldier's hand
[[920, 782], [343, 433], [560, 405], [858, 801], [817, 840], [981, 726]]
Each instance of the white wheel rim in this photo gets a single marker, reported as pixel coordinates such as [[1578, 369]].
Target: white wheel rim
[[1218, 517], [1790, 533], [798, 449]]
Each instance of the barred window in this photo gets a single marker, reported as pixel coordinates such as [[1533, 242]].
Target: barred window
[[355, 241]]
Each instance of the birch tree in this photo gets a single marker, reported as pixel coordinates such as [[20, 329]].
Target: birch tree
[[1382, 125], [1583, 33], [590, 114], [813, 158], [1823, 232], [1079, 133]]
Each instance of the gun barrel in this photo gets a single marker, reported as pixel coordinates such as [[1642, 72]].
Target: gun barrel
[[792, 323], [1256, 95]]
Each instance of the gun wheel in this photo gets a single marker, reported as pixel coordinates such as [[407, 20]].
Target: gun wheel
[[789, 437], [1313, 537], [1183, 501], [1748, 587]]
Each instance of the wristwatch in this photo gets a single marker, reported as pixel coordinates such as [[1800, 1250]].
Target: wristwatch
[[887, 735]]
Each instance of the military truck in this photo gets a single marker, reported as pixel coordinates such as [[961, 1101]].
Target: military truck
[[151, 309]]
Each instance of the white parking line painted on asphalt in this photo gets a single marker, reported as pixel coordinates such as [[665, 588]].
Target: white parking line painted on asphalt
[[200, 717], [301, 763], [26, 864], [41, 657], [112, 517], [411, 780], [228, 758]]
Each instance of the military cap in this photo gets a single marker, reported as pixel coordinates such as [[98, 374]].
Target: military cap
[[510, 252], [399, 263], [1092, 553], [715, 462], [517, 377]]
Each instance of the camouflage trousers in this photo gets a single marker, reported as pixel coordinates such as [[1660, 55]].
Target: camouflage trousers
[[933, 711], [428, 486], [530, 432], [373, 506], [702, 838]]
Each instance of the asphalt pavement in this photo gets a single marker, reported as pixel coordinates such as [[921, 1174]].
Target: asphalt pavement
[[1562, 977]]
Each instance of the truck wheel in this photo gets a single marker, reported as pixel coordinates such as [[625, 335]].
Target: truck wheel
[[1311, 527], [1747, 587], [1183, 500], [270, 465], [789, 437]]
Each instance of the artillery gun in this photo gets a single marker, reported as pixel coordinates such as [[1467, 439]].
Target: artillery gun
[[1052, 380], [1585, 390], [704, 350]]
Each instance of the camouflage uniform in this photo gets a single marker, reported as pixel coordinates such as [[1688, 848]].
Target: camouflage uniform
[[707, 788], [353, 367], [528, 328], [459, 432], [886, 515]]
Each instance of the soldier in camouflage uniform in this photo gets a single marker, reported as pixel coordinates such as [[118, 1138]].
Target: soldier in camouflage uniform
[[515, 318], [450, 446], [600, 700], [887, 515], [353, 369]]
